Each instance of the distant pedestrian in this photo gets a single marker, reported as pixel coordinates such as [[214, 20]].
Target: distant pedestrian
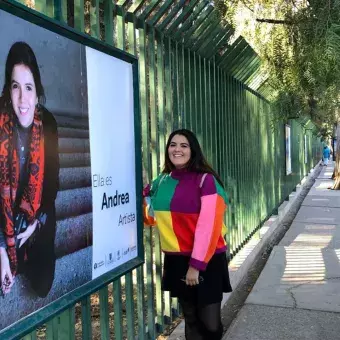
[[326, 155], [187, 201]]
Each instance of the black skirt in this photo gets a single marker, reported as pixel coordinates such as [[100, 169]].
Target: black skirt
[[213, 282]]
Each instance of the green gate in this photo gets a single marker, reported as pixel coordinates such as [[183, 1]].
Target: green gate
[[194, 73]]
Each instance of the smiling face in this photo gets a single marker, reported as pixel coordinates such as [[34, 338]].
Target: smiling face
[[179, 151], [23, 94]]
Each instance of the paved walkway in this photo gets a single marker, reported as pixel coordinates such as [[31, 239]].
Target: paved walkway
[[297, 295]]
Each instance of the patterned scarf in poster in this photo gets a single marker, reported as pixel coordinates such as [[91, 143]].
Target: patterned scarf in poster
[[9, 178]]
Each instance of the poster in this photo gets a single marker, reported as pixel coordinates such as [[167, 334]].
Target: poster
[[288, 150], [306, 149], [67, 123], [113, 187]]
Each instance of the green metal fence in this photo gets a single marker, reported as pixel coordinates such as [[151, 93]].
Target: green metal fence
[[192, 74]]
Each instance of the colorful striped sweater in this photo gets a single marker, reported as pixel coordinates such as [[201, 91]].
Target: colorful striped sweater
[[189, 213]]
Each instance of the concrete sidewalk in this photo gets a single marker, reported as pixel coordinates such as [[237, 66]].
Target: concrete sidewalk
[[297, 295]]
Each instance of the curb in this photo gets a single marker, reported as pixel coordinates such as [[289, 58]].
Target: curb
[[244, 259]]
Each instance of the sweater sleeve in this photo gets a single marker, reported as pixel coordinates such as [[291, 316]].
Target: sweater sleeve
[[148, 212], [209, 224]]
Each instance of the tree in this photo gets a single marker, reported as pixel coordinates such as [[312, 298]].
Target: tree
[[299, 43]]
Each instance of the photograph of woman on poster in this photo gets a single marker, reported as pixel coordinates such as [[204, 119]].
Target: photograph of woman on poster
[[29, 170]]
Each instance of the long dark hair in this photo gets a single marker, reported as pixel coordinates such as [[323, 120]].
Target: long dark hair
[[197, 162], [21, 54]]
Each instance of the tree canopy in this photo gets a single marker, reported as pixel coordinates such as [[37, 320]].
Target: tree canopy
[[299, 43]]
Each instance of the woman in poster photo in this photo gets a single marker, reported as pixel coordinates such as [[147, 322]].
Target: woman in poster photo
[[29, 170], [188, 201]]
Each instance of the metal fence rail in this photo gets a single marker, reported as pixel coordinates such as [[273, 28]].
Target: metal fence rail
[[189, 77]]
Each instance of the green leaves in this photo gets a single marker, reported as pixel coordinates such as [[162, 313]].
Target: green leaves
[[299, 44]]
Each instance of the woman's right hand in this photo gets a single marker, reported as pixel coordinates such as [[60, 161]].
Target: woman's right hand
[[7, 279]]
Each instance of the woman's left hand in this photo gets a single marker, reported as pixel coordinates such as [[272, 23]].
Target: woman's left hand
[[191, 278], [27, 234]]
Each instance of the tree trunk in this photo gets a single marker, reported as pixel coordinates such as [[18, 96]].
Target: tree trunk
[[336, 173]]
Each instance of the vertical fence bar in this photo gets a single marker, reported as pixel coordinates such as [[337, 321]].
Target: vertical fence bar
[[108, 21], [175, 94], [195, 95], [182, 90], [219, 124], [164, 93], [31, 336], [189, 106], [79, 20], [121, 37], [40, 6], [200, 101], [66, 325], [215, 130], [132, 48], [149, 234], [209, 120], [130, 309], [64, 11], [150, 283], [231, 154], [104, 313], [160, 95], [153, 119], [168, 84], [228, 154], [117, 309], [242, 162], [227, 117], [52, 328], [247, 182], [86, 321], [159, 295], [145, 97], [57, 10], [229, 108], [94, 19], [237, 165], [140, 303], [160, 158], [49, 8], [154, 252], [204, 120]]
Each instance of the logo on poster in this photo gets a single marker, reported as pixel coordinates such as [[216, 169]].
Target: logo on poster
[[110, 258], [98, 264], [133, 248], [125, 251]]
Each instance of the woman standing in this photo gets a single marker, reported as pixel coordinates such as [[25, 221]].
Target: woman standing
[[187, 201], [29, 170]]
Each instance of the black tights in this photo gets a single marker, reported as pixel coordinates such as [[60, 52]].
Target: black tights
[[202, 322]]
